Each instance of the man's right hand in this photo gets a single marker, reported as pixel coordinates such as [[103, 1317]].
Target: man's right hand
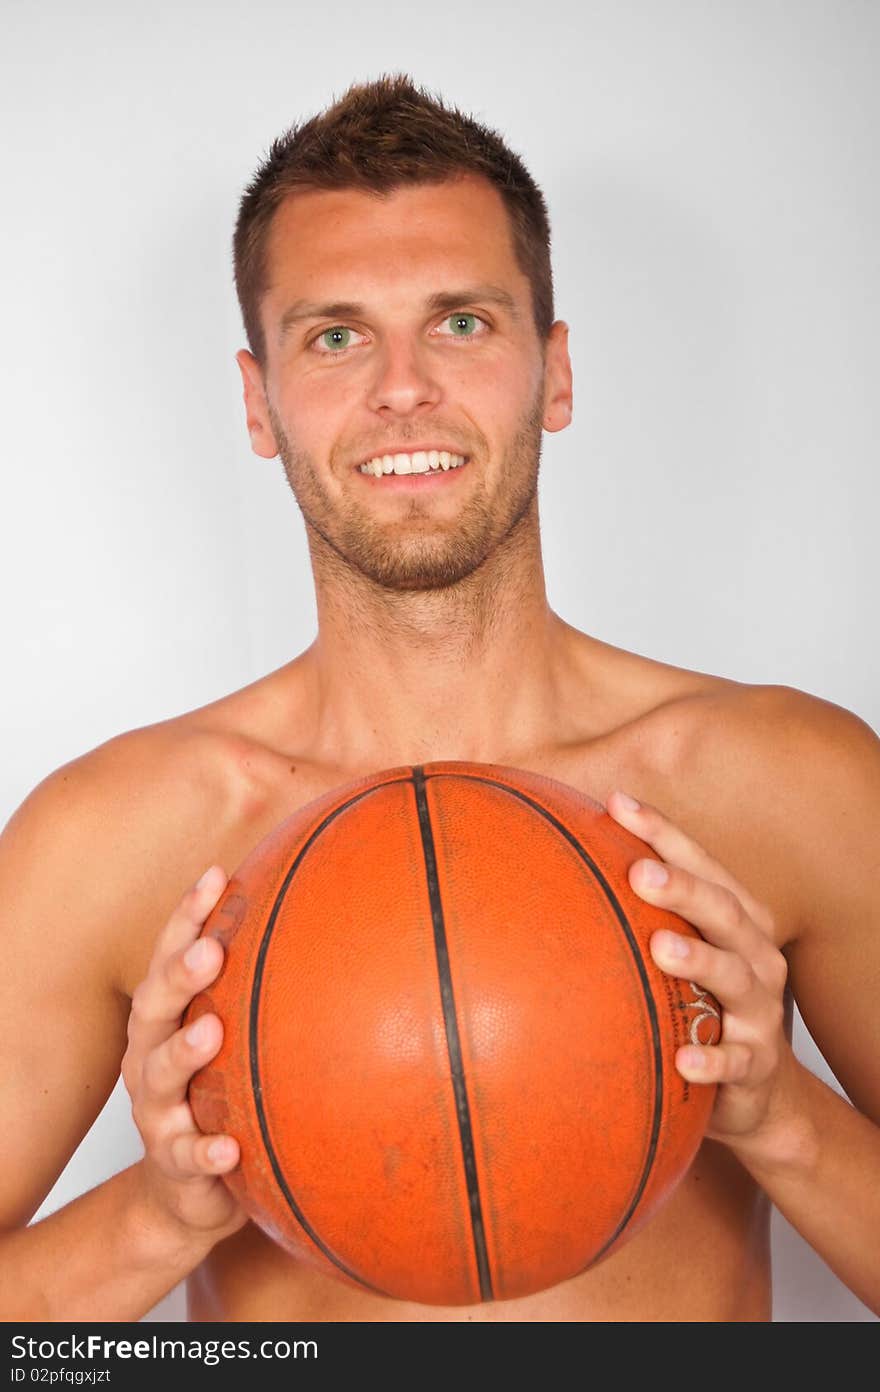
[[181, 1165]]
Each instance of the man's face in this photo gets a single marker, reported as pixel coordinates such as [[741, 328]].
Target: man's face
[[360, 363]]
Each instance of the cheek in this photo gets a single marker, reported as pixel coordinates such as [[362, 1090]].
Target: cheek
[[315, 411], [493, 394], [486, 373]]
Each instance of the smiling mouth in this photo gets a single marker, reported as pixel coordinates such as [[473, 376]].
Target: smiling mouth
[[419, 462]]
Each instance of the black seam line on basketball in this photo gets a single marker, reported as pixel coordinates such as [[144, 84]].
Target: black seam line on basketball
[[253, 1044], [453, 1039], [643, 977]]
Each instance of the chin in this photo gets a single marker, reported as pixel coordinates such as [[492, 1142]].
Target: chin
[[404, 581]]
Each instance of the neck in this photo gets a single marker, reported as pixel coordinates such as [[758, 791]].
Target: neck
[[476, 671]]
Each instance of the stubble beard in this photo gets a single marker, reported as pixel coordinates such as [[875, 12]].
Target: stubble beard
[[416, 553]]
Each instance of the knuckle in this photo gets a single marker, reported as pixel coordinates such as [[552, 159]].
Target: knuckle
[[161, 1126], [173, 972], [139, 1005], [165, 1131], [129, 1072], [145, 1004], [176, 1156], [742, 978], [141, 1118], [731, 909], [779, 969], [155, 1070]]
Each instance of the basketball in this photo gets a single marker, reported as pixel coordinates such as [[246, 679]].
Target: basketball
[[448, 1054]]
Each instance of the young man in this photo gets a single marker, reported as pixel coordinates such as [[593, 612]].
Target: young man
[[392, 262]]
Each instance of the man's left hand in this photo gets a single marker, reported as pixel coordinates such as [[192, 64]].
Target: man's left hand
[[738, 962]]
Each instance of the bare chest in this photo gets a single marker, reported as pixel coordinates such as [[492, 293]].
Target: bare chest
[[705, 1255]]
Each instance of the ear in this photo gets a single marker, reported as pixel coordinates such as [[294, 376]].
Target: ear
[[263, 440], [557, 379]]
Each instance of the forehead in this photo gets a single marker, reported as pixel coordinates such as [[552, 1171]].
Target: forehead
[[348, 240]]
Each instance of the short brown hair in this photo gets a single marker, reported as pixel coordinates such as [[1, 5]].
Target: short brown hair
[[378, 136]]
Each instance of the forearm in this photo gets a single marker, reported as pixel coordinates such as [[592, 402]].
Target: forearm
[[820, 1165], [108, 1255]]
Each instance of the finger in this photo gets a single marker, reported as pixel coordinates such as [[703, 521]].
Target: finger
[[716, 911], [717, 914], [715, 1063], [727, 975], [677, 848], [188, 918], [161, 998], [194, 1154], [169, 1067]]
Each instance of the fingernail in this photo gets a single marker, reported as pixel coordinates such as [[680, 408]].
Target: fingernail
[[196, 956], [693, 1058], [628, 803], [197, 1034], [200, 884], [672, 945], [653, 873], [218, 1152]]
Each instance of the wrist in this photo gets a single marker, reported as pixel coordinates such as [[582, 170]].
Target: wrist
[[787, 1141], [155, 1236]]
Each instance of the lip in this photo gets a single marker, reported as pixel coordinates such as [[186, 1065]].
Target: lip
[[410, 449]]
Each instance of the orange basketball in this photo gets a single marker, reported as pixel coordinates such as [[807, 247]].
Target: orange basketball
[[448, 1053]]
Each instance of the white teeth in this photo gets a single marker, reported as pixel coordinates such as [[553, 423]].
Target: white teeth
[[421, 462]]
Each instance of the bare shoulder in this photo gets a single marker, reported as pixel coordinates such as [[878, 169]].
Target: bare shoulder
[[91, 864], [806, 755], [795, 783], [808, 774], [125, 829], [114, 838]]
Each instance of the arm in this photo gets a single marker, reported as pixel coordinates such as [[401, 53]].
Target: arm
[[102, 1257], [818, 800], [66, 899], [822, 1165]]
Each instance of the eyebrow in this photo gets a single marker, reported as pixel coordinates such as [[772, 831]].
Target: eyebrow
[[443, 299]]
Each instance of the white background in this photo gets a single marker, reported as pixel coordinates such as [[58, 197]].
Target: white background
[[711, 173]]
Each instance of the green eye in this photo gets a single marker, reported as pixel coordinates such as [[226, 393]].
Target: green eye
[[337, 337], [462, 324]]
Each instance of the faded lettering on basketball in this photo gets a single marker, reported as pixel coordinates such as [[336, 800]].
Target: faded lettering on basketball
[[228, 917], [695, 1017], [705, 1023]]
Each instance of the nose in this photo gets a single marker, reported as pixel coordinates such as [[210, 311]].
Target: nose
[[403, 378]]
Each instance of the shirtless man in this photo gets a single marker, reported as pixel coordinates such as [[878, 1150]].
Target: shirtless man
[[417, 320]]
